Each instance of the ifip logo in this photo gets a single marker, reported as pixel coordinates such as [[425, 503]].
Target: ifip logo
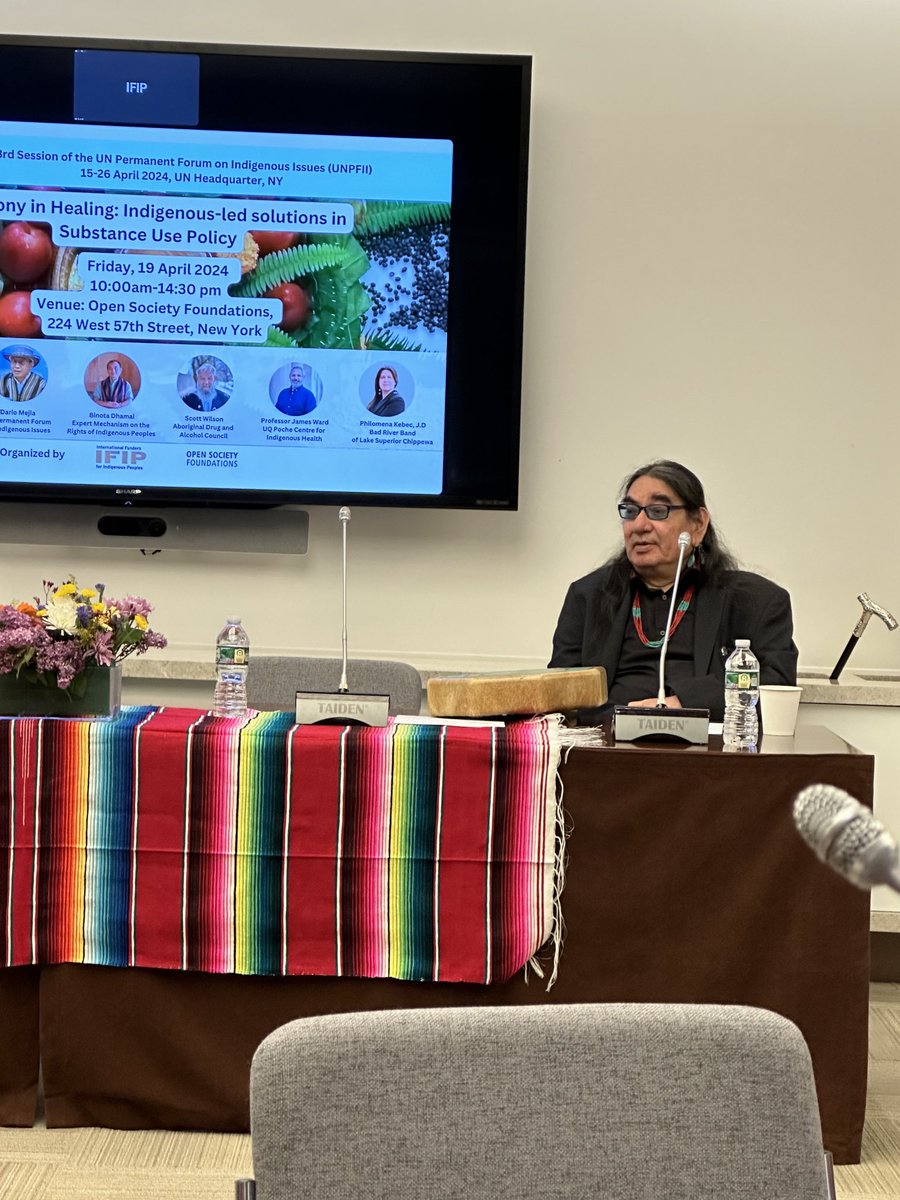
[[118, 456]]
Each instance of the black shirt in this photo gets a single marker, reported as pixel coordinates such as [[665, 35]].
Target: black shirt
[[637, 675]]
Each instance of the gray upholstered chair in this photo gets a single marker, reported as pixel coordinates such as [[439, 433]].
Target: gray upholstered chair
[[273, 681], [605, 1101]]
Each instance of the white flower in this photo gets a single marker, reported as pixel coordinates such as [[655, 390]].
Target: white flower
[[62, 614]]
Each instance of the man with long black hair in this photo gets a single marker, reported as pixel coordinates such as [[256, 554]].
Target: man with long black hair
[[616, 616]]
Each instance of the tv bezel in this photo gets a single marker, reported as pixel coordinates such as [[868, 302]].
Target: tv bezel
[[482, 429]]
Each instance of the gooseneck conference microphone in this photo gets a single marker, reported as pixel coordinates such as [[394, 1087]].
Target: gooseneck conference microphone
[[846, 836], [344, 518], [664, 724], [684, 540], [342, 707]]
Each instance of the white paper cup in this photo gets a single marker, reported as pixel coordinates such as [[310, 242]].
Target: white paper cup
[[778, 705]]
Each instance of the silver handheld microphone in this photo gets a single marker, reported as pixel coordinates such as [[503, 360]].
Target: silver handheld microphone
[[344, 518], [846, 836], [684, 540]]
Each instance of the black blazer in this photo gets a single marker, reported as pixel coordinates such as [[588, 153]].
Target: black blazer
[[192, 400], [390, 405], [740, 605]]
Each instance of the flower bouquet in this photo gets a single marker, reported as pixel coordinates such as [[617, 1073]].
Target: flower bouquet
[[60, 656]]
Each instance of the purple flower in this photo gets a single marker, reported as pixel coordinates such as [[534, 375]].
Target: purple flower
[[68, 634], [104, 651], [65, 658], [11, 617], [20, 637], [132, 606]]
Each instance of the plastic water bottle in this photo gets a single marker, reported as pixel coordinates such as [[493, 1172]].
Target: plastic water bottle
[[741, 729], [232, 660]]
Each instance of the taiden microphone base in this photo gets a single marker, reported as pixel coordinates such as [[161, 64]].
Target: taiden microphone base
[[690, 725], [341, 708]]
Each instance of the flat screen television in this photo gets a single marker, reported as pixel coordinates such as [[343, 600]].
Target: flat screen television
[[245, 276]]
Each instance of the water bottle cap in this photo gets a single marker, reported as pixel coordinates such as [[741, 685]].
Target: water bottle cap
[[237, 621], [744, 643]]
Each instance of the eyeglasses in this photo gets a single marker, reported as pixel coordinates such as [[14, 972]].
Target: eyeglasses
[[629, 511]]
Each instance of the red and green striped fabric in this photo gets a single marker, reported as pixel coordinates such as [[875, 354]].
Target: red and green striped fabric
[[169, 838]]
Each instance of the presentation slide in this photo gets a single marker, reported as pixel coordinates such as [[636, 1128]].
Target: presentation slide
[[204, 309]]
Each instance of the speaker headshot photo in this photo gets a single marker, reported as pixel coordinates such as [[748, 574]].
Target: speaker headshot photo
[[25, 376], [386, 400], [112, 380], [206, 385], [302, 393]]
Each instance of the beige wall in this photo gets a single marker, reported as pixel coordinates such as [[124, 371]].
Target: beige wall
[[713, 260]]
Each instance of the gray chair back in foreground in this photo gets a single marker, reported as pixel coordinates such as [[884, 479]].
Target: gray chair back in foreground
[[605, 1101], [273, 681]]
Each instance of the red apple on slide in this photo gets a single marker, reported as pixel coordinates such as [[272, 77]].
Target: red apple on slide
[[270, 240], [16, 317], [295, 304], [25, 251]]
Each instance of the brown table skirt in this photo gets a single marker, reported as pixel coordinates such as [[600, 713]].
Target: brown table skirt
[[19, 1045]]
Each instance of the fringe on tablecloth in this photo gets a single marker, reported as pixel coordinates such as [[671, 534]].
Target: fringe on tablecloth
[[563, 739]]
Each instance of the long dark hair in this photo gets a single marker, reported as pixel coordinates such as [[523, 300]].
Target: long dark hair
[[378, 393], [714, 557]]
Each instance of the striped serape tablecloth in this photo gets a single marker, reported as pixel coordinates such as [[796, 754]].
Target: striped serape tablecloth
[[170, 838]]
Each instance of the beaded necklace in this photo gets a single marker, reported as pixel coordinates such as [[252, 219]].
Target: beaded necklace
[[683, 605]]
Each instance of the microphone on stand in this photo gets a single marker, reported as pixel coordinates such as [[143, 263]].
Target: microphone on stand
[[684, 540], [344, 518], [846, 836], [342, 707], [664, 724]]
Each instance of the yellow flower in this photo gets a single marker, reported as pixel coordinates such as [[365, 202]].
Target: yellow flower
[[87, 593], [66, 589], [141, 621], [101, 615]]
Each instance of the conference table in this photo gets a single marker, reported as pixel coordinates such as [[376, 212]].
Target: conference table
[[685, 882]]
